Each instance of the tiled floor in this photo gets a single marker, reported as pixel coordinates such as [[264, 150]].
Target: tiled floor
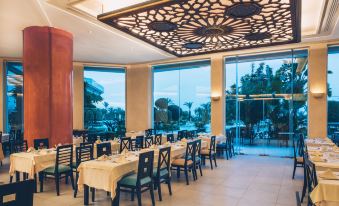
[[243, 181]]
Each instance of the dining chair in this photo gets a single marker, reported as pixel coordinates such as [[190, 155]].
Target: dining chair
[[170, 138], [104, 149], [158, 139], [22, 191], [210, 153], [180, 135], [141, 181], [187, 163], [298, 153], [148, 141], [125, 143], [42, 143], [198, 157], [311, 176], [161, 174], [61, 169], [83, 154], [139, 142], [82, 144], [20, 146]]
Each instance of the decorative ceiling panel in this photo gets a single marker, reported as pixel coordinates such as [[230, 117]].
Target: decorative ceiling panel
[[192, 27]]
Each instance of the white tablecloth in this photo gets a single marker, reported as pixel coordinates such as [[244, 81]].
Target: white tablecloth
[[32, 162]]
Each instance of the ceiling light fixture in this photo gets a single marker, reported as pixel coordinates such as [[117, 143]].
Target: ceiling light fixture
[[191, 27]]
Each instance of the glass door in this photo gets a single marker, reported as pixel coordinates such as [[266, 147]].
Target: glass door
[[261, 92]]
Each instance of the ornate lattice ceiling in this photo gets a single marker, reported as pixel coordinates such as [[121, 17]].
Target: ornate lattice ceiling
[[191, 27]]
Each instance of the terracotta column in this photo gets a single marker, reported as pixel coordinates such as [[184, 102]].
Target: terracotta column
[[48, 97]]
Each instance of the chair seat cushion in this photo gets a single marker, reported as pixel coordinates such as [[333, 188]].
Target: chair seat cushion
[[300, 159], [206, 152], [163, 172], [131, 180], [181, 162], [62, 169]]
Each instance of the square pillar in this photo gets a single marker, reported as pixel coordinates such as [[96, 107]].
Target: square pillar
[[139, 95], [78, 96], [317, 82], [217, 95]]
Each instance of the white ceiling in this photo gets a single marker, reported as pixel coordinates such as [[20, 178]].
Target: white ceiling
[[97, 42]]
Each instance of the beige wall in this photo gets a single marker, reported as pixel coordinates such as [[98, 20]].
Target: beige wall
[[138, 97], [217, 89], [317, 82], [2, 95], [78, 96]]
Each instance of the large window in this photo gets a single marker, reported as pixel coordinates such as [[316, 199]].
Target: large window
[[266, 101], [15, 99], [182, 96], [333, 91], [104, 100]]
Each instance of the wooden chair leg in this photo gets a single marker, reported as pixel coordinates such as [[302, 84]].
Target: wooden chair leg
[[132, 194], [41, 180], [169, 186], [139, 196], [17, 176], [159, 191], [76, 186], [215, 160], [211, 163], [294, 168], [152, 195], [200, 169], [115, 201], [93, 194], [186, 175], [10, 179], [57, 184], [178, 172]]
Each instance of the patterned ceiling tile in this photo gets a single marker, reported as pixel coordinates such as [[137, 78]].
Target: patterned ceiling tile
[[192, 27]]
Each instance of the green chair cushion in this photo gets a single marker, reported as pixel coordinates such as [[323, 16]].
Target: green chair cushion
[[62, 169], [163, 172], [131, 180]]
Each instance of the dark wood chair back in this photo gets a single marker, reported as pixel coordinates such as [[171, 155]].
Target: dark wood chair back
[[164, 160], [64, 156], [23, 192], [197, 147], [148, 141], [145, 166], [20, 146], [311, 174], [139, 142], [104, 149], [125, 143], [158, 139], [170, 138], [190, 152], [212, 144], [41, 143], [83, 154]]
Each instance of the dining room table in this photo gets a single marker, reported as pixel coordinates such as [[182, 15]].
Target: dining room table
[[325, 156], [105, 172]]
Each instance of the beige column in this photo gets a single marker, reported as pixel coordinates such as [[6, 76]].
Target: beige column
[[317, 83], [139, 97], [2, 95], [78, 96], [218, 95]]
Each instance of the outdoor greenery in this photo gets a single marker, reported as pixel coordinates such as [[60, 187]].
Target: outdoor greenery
[[170, 117], [262, 80], [106, 119]]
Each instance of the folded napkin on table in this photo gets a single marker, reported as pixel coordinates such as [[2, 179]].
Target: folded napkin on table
[[167, 144], [31, 149], [317, 159], [125, 151], [103, 157], [57, 145], [184, 140], [328, 174]]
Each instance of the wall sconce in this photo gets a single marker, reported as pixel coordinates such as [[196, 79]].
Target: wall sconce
[[317, 95], [215, 97]]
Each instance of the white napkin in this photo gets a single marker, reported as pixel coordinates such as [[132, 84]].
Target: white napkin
[[167, 144], [184, 140], [31, 149], [103, 158], [153, 146]]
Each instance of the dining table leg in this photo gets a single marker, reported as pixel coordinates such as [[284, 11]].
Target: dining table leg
[[86, 194]]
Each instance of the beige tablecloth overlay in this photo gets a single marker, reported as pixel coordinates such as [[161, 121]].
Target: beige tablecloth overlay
[[326, 193], [2, 156], [31, 163]]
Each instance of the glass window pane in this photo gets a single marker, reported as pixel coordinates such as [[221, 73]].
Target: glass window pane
[[182, 96], [104, 100], [15, 101], [333, 91]]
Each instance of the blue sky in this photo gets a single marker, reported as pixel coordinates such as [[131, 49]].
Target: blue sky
[[114, 87], [191, 84]]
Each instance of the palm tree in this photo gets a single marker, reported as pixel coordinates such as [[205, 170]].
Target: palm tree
[[189, 105]]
